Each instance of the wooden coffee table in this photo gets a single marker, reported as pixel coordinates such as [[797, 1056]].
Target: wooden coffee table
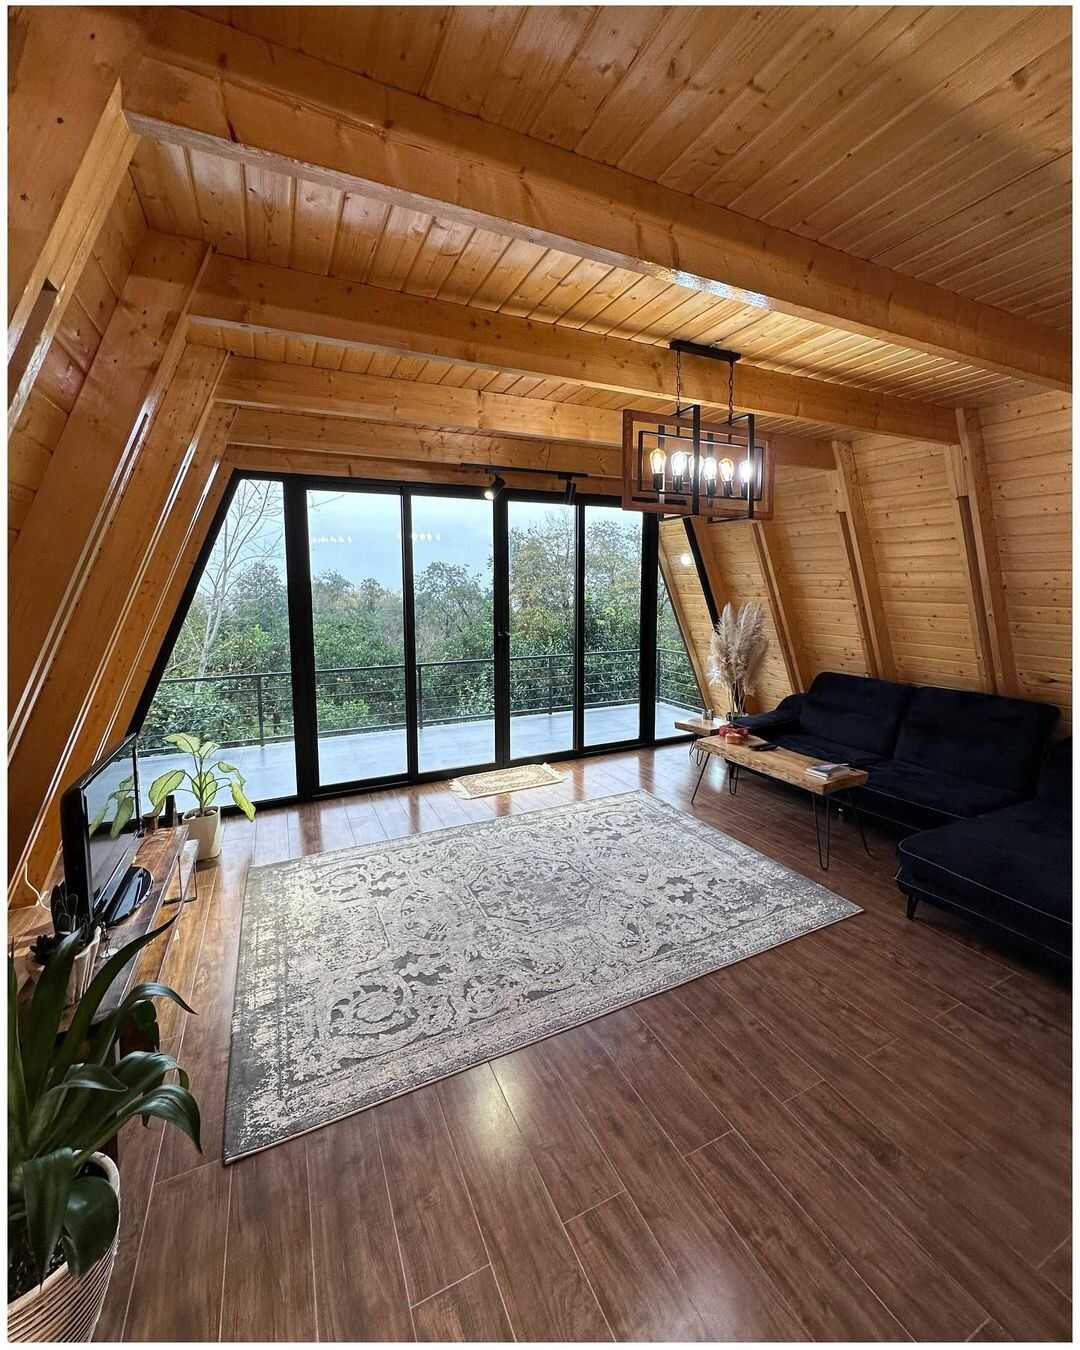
[[787, 766]]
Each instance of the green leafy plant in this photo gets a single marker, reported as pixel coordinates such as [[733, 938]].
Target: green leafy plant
[[124, 797], [68, 1095], [207, 780]]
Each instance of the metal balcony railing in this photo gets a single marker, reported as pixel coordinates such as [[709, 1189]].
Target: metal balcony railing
[[255, 707]]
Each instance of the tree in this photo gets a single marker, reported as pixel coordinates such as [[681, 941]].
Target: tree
[[250, 533]]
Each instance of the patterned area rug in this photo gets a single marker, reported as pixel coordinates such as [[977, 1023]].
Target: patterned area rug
[[505, 780], [370, 971]]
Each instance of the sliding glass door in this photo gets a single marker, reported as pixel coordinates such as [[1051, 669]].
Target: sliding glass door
[[542, 569], [341, 635], [453, 588]]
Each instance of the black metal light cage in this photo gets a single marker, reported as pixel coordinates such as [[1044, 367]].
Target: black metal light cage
[[722, 496]]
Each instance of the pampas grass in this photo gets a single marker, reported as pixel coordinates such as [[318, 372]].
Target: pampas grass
[[738, 647]]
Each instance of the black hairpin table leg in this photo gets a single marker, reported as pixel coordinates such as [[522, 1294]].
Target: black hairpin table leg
[[732, 778], [822, 803], [701, 775]]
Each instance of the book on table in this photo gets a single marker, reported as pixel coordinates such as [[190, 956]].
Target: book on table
[[828, 770]]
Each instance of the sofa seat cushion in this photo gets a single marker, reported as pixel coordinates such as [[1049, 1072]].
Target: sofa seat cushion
[[1013, 866], [854, 711], [821, 748], [996, 742], [942, 794]]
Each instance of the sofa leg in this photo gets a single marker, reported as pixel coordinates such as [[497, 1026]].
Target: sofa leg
[[912, 902]]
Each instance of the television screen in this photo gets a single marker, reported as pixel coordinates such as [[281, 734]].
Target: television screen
[[112, 815]]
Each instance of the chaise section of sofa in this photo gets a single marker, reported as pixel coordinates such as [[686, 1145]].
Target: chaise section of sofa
[[1011, 868]]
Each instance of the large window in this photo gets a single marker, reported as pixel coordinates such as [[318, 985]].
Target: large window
[[342, 634], [229, 674]]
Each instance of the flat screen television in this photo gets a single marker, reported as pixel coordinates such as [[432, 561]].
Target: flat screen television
[[99, 834]]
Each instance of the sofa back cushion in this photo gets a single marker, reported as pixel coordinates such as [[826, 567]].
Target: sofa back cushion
[[852, 710], [978, 737], [1055, 778]]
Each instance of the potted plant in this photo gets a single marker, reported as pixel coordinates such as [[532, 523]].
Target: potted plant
[[738, 648], [204, 822], [68, 1095], [66, 921]]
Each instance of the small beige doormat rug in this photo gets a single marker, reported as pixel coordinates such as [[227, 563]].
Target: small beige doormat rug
[[371, 971], [506, 780]]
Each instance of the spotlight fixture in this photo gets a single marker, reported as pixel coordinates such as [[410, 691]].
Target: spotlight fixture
[[569, 490], [498, 484]]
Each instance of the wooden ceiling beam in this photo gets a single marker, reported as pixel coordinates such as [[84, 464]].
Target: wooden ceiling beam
[[215, 89], [259, 298], [338, 435], [269, 386], [94, 459]]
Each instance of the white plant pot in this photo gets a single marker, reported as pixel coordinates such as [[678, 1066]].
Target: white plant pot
[[205, 827], [66, 1308]]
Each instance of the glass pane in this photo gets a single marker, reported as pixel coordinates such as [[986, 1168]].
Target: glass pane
[[455, 650], [229, 674], [612, 624], [355, 545], [541, 628], [677, 692]]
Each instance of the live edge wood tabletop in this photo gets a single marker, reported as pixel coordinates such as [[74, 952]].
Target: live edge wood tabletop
[[787, 765], [169, 856]]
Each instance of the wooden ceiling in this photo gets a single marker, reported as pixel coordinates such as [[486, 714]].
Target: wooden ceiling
[[911, 137], [928, 139]]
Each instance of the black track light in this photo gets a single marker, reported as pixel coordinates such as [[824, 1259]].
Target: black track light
[[498, 484]]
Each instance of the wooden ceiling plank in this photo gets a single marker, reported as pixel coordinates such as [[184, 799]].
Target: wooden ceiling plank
[[318, 122], [260, 298], [94, 458]]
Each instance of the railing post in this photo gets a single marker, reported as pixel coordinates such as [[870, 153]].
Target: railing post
[[419, 695], [551, 687], [259, 700]]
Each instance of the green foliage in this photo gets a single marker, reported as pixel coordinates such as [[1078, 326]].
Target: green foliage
[[359, 643], [206, 781], [68, 1095]]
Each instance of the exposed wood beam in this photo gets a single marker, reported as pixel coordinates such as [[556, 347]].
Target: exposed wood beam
[[94, 458], [259, 459], [339, 435], [270, 386], [67, 140], [859, 551], [258, 298], [65, 726], [969, 487], [789, 652], [221, 91]]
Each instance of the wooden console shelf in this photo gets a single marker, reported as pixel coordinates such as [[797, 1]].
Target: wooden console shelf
[[169, 856]]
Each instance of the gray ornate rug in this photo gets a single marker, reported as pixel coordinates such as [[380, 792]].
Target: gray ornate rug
[[370, 971]]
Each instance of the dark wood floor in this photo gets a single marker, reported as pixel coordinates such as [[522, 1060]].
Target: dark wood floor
[[864, 1134]]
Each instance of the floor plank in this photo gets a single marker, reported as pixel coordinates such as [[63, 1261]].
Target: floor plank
[[269, 1231], [359, 1284], [440, 1242], [634, 1282], [573, 1165], [188, 1218], [470, 1311], [546, 1294]]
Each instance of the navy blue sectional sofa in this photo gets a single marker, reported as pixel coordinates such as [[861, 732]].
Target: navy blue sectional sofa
[[986, 812]]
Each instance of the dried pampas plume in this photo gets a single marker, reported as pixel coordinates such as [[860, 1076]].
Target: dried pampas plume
[[738, 647]]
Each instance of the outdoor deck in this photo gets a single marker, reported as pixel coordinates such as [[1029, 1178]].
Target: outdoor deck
[[346, 757]]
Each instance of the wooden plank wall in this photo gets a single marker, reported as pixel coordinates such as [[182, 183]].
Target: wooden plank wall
[[71, 353], [1028, 449], [735, 575], [813, 575], [920, 561]]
